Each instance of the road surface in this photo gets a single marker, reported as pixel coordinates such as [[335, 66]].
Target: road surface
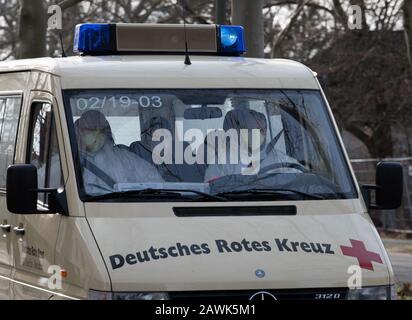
[[400, 254]]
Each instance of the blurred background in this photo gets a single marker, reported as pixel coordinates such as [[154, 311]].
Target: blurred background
[[361, 50]]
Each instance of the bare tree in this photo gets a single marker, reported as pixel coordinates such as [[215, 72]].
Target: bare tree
[[27, 36], [288, 27], [8, 44], [33, 27]]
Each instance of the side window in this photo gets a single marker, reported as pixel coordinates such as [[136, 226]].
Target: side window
[[10, 107], [43, 148]]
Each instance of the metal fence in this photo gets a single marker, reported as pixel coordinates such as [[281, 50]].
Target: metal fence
[[400, 219]]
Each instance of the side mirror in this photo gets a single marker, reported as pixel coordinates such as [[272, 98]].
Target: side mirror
[[21, 185], [22, 191], [389, 182]]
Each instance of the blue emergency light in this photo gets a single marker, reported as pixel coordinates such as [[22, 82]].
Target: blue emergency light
[[95, 38], [104, 39], [231, 39]]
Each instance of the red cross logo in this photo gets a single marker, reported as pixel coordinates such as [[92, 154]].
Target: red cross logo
[[365, 257]]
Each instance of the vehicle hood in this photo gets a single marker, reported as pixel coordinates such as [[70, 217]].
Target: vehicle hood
[[236, 253]]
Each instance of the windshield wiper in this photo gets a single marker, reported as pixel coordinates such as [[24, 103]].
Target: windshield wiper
[[153, 192], [274, 192]]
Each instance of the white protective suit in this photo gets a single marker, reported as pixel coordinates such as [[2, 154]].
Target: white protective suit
[[119, 164], [250, 120], [104, 164]]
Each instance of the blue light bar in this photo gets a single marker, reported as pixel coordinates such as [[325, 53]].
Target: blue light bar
[[231, 40], [103, 39], [94, 38]]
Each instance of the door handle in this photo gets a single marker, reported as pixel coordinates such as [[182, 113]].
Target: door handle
[[5, 227], [19, 231]]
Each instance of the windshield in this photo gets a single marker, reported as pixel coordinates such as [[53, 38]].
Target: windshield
[[184, 145]]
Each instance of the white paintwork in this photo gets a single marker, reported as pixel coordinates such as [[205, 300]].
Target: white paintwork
[[170, 72]]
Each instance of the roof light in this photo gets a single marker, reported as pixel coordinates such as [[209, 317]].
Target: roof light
[[100, 39], [227, 38], [94, 38], [232, 40]]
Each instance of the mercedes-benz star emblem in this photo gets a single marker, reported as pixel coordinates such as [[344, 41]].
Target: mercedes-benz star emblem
[[262, 296], [260, 273]]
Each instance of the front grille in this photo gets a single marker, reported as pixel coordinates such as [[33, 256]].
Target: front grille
[[266, 294]]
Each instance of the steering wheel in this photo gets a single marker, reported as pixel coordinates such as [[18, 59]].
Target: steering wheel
[[267, 169], [293, 165], [265, 172]]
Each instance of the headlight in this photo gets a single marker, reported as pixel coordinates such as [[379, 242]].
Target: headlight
[[140, 296], [104, 295], [372, 293]]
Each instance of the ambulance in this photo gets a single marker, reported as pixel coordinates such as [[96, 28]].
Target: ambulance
[[158, 163]]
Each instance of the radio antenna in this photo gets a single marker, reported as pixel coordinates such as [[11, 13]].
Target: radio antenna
[[62, 43], [187, 58]]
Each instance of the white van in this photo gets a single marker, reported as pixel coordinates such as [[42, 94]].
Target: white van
[[130, 172]]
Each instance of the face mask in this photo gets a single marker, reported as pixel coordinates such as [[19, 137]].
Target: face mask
[[94, 141]]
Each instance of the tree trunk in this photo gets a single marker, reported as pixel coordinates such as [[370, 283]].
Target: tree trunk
[[382, 141], [379, 143], [220, 9], [407, 14], [32, 29], [249, 14]]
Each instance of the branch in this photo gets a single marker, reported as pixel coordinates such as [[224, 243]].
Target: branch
[[7, 56], [360, 134], [286, 30], [343, 17], [287, 2], [191, 12], [65, 4], [140, 7]]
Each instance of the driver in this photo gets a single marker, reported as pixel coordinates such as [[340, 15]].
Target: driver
[[244, 118], [105, 164]]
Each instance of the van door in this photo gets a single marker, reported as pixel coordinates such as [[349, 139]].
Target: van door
[[36, 235], [10, 107]]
